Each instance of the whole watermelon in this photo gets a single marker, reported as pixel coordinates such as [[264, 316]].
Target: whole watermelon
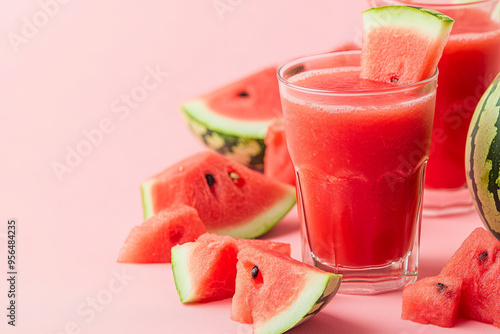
[[482, 158]]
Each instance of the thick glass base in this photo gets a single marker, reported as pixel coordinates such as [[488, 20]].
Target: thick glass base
[[372, 280], [444, 202]]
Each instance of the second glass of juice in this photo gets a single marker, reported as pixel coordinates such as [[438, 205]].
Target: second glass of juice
[[470, 62], [360, 150]]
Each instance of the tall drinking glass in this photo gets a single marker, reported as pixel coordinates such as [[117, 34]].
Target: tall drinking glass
[[470, 62], [359, 149]]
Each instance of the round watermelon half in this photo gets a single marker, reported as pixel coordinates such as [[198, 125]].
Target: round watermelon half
[[230, 198], [276, 292], [233, 120], [401, 44], [482, 158]]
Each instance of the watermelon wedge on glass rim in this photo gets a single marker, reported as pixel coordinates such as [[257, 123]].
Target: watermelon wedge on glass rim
[[230, 198], [413, 56], [233, 119]]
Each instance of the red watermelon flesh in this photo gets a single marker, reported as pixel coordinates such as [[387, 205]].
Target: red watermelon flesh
[[254, 98], [477, 262], [151, 242], [280, 247], [205, 270], [230, 198], [432, 300], [276, 292], [277, 162]]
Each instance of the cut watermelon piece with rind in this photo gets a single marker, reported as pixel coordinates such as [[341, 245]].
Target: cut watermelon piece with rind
[[205, 270], [432, 300], [151, 242], [283, 294], [477, 263], [402, 44], [233, 119], [241, 202]]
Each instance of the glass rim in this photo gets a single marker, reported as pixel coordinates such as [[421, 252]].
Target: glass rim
[[450, 5], [346, 92]]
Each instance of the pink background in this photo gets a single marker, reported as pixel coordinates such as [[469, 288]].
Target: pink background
[[65, 70]]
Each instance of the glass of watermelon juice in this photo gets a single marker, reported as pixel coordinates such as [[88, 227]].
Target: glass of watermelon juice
[[470, 62], [359, 150]]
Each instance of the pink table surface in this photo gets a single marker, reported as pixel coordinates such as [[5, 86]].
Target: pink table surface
[[70, 67]]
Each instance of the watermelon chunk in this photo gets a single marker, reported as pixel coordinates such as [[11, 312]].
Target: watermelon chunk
[[233, 119], [277, 162], [230, 198], [432, 300], [205, 270], [402, 44], [276, 292], [151, 242], [477, 262]]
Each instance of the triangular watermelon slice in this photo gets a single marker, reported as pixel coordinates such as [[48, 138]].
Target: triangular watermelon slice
[[402, 44], [230, 198], [276, 292], [151, 242]]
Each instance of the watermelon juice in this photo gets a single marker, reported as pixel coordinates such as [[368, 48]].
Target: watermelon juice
[[359, 149], [470, 62]]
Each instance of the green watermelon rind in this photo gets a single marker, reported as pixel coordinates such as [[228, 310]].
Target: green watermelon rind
[[200, 112], [424, 20], [246, 147], [182, 279], [482, 158], [255, 227], [317, 291]]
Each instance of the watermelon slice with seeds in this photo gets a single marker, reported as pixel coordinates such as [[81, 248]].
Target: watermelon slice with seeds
[[432, 300], [233, 119], [477, 263], [205, 270], [151, 242], [276, 293], [230, 198], [402, 44]]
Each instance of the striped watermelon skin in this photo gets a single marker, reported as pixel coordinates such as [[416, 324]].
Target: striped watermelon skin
[[482, 158]]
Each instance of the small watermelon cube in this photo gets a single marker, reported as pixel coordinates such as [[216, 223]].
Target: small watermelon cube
[[432, 300], [477, 262], [275, 292], [151, 242], [205, 270]]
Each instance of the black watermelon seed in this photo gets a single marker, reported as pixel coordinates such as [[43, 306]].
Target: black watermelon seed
[[483, 256], [255, 272], [394, 79], [441, 287], [243, 94], [210, 179]]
